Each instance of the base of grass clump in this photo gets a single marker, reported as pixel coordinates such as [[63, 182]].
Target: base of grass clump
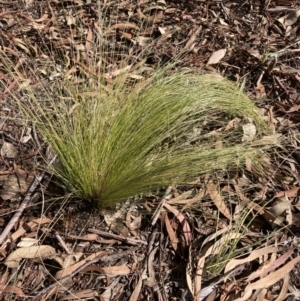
[[117, 141]]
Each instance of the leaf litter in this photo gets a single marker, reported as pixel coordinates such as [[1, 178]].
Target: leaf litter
[[265, 61]]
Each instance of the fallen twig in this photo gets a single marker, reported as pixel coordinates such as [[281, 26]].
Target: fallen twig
[[130, 241], [62, 243]]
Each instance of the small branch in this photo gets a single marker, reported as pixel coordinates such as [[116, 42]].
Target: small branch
[[130, 241], [62, 243]]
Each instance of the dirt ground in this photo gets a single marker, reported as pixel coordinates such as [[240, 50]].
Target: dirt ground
[[180, 241]]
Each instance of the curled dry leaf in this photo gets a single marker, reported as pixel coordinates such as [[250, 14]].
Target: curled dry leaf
[[136, 292], [31, 225], [8, 150], [269, 280], [271, 265], [10, 189], [117, 270], [39, 252], [67, 260], [290, 18], [111, 290], [284, 289], [254, 255], [27, 242], [122, 26], [74, 267], [291, 193], [12, 289], [249, 132], [185, 225], [171, 233], [216, 197], [216, 56], [212, 250]]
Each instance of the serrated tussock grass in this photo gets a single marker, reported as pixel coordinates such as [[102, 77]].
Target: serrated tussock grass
[[123, 131], [118, 141]]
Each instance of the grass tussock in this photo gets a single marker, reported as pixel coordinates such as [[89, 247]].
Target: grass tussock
[[114, 142], [117, 135]]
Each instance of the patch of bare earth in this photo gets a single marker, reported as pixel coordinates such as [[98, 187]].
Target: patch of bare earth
[[212, 237]]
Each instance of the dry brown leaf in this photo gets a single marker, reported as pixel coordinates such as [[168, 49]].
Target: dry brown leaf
[[276, 275], [117, 270], [80, 295], [181, 198], [12, 289], [33, 252], [213, 250], [263, 270], [150, 264], [249, 132], [89, 39], [27, 242], [192, 39], [269, 280], [111, 290], [122, 26], [185, 225], [189, 202], [136, 292], [8, 150], [31, 225], [253, 255], [291, 193], [69, 260], [74, 267], [290, 18], [171, 233], [10, 189], [18, 42], [216, 197], [215, 235], [216, 56], [247, 294], [284, 289]]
